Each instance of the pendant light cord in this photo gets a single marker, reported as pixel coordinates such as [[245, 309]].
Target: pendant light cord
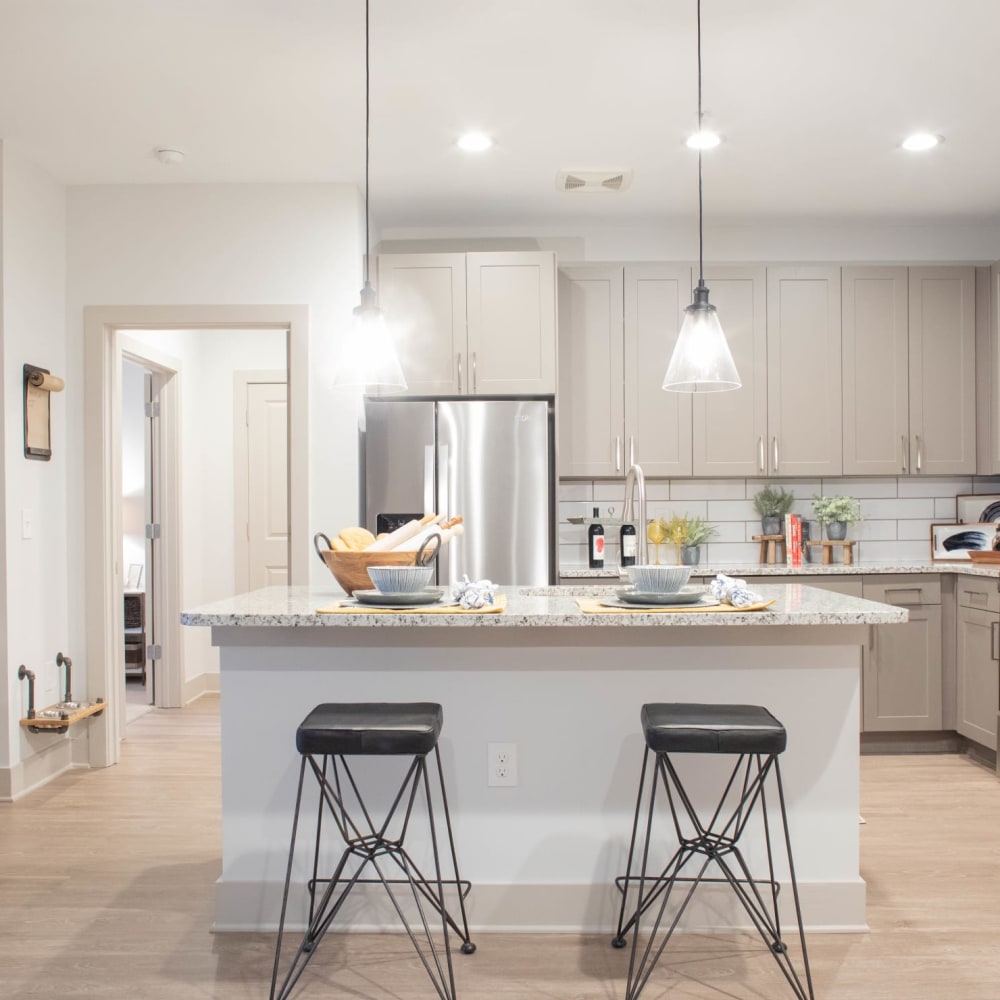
[[367, 134], [701, 236]]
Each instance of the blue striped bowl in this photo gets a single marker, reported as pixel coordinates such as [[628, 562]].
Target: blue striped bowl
[[400, 579]]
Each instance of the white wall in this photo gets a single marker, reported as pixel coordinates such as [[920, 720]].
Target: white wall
[[209, 359], [38, 575], [732, 241], [220, 244]]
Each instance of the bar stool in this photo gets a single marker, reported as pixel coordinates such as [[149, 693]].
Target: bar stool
[[756, 738], [328, 735]]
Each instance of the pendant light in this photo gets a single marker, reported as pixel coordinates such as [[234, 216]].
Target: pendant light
[[368, 357], [701, 361]]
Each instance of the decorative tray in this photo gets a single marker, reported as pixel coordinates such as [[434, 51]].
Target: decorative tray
[[984, 556]]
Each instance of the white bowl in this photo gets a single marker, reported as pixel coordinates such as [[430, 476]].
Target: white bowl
[[400, 579], [658, 579]]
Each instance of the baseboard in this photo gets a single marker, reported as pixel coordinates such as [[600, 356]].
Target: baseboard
[[828, 907], [37, 770], [873, 744], [197, 686]]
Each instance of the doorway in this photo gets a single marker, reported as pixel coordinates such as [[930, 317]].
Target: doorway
[[107, 329]]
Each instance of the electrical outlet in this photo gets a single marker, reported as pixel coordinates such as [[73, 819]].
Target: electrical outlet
[[502, 765]]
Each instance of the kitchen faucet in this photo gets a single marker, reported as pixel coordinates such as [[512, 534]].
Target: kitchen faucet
[[634, 479]]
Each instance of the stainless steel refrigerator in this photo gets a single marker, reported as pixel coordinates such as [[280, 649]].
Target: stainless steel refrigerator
[[490, 460]]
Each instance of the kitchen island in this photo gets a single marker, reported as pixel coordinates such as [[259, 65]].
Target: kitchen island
[[566, 688]]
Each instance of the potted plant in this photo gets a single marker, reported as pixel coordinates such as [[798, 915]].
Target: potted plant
[[836, 513], [773, 503], [689, 534]]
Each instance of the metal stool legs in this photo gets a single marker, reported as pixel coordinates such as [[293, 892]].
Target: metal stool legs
[[373, 846], [715, 842]]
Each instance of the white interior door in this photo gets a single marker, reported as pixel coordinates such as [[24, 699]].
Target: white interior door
[[262, 478]]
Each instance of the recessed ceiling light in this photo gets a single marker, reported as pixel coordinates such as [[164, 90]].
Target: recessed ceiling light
[[920, 141], [474, 142], [704, 139], [169, 155]]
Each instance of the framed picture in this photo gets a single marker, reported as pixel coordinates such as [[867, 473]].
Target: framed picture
[[952, 542], [977, 508]]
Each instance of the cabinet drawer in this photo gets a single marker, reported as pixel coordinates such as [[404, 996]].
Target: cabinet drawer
[[978, 592], [903, 591]]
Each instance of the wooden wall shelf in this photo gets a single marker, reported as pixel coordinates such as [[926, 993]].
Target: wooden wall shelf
[[56, 719]]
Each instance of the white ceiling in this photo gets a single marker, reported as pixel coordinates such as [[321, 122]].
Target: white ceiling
[[812, 96]]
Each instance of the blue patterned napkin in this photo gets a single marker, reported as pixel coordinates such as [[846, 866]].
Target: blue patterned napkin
[[474, 594], [729, 590]]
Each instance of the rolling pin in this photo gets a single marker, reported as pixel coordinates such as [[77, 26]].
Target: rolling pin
[[402, 534]]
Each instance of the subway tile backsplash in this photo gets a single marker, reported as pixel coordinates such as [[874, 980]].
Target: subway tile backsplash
[[897, 513]]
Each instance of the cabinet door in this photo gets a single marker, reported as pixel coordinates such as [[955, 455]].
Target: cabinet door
[[591, 400], [803, 371], [978, 676], [657, 423], [902, 674], [423, 295], [512, 323], [943, 370], [875, 371], [988, 370], [730, 428]]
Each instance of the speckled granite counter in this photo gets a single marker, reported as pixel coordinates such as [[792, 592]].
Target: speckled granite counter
[[566, 688], [807, 569], [540, 607]]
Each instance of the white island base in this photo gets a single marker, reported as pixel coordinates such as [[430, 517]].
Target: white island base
[[543, 855]]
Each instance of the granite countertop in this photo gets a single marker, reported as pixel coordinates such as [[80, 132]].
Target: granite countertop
[[295, 607], [613, 573]]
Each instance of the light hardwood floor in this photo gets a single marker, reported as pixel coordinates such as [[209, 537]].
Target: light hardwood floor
[[106, 883]]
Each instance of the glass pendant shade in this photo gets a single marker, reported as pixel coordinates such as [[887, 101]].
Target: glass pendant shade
[[701, 361], [368, 357]]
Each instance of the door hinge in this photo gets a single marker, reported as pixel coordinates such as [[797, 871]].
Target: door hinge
[[153, 409], [154, 652], [152, 531]]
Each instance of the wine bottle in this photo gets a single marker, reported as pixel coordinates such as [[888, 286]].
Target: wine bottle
[[629, 544], [595, 542]]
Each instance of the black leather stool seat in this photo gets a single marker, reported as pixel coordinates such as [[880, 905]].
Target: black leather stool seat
[[686, 728], [371, 728]]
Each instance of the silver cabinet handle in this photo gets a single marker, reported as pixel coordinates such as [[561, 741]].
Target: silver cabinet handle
[[902, 440], [474, 388], [994, 628], [459, 371], [631, 450], [774, 452], [760, 454], [618, 453], [920, 455]]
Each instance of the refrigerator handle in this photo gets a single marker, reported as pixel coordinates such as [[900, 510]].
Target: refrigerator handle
[[459, 372], [443, 481], [474, 379], [429, 479]]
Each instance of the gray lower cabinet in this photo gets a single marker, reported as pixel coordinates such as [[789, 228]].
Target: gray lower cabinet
[[901, 684], [978, 666]]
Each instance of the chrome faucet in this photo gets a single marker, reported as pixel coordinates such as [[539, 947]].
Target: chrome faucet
[[634, 479]]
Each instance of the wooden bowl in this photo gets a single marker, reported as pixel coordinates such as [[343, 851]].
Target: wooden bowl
[[351, 568]]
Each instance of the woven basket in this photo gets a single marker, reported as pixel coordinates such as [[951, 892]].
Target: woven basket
[[351, 568]]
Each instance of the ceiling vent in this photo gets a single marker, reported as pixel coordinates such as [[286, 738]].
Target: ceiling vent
[[593, 180]]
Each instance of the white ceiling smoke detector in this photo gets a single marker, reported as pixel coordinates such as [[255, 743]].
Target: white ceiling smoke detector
[[593, 180], [169, 155]]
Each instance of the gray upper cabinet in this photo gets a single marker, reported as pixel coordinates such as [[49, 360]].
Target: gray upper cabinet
[[803, 371], [730, 428], [657, 423], [591, 397], [473, 323], [942, 370], [876, 371], [617, 328], [909, 370]]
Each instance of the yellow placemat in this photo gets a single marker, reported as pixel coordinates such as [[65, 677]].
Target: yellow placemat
[[593, 606], [342, 608]]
